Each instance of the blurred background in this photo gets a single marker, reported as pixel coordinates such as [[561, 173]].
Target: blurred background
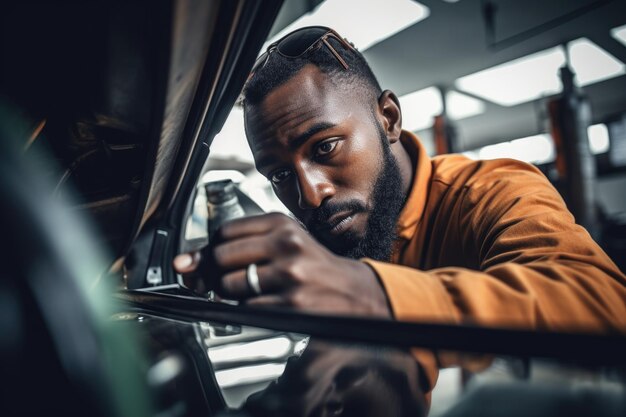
[[539, 81], [115, 90]]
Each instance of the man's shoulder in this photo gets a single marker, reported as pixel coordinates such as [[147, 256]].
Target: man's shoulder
[[456, 170], [490, 188]]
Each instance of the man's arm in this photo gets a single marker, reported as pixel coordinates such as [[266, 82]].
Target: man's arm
[[538, 269]]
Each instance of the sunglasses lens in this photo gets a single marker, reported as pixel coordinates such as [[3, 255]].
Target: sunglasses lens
[[298, 42]]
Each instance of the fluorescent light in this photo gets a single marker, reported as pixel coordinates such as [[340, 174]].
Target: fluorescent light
[[499, 150], [592, 63], [517, 81], [535, 149], [364, 23], [619, 33], [471, 154], [598, 138], [539, 149], [249, 374], [419, 108], [537, 75], [274, 348], [461, 105]]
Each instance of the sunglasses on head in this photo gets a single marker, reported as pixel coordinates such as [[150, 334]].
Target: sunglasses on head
[[302, 41]]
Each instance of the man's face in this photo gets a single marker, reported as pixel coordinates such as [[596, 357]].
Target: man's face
[[329, 162]]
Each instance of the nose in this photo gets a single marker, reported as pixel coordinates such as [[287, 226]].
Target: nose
[[313, 188]]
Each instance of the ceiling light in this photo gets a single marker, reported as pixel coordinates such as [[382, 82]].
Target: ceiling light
[[517, 81], [419, 108], [598, 138], [461, 106], [496, 151], [619, 33], [536, 149], [363, 23], [539, 149], [471, 155], [592, 63], [537, 75]]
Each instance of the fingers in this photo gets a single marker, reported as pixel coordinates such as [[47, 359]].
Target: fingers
[[258, 240], [252, 225], [242, 252], [188, 265], [186, 262], [271, 300], [235, 284], [263, 240]]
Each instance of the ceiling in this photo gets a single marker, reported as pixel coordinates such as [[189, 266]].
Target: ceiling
[[452, 42]]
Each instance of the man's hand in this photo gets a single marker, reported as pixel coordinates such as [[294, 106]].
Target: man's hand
[[294, 269]]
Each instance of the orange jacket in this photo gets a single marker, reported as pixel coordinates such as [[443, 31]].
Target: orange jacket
[[492, 243]]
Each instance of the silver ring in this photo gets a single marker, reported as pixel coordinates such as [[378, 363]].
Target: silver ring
[[253, 279]]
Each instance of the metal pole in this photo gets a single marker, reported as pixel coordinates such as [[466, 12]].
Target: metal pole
[[444, 132], [570, 116]]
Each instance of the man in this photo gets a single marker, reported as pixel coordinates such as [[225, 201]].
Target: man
[[392, 233]]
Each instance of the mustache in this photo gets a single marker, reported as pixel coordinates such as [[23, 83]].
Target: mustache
[[320, 216]]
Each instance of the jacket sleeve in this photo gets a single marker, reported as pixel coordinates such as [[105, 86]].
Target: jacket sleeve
[[538, 268]]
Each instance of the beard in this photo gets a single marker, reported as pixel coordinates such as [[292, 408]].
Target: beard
[[387, 201]]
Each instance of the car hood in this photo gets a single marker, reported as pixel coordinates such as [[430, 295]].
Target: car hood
[[127, 96]]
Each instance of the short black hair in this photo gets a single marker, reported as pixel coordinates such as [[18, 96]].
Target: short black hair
[[278, 69]]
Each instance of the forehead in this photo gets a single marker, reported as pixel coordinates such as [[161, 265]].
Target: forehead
[[307, 99]]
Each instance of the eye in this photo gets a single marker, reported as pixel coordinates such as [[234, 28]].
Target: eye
[[325, 148], [279, 176]]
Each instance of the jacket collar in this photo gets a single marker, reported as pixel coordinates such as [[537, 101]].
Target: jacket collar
[[413, 209]]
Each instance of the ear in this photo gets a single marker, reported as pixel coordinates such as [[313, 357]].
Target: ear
[[389, 111]]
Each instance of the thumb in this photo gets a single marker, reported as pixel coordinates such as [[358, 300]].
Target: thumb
[[187, 262], [188, 265]]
